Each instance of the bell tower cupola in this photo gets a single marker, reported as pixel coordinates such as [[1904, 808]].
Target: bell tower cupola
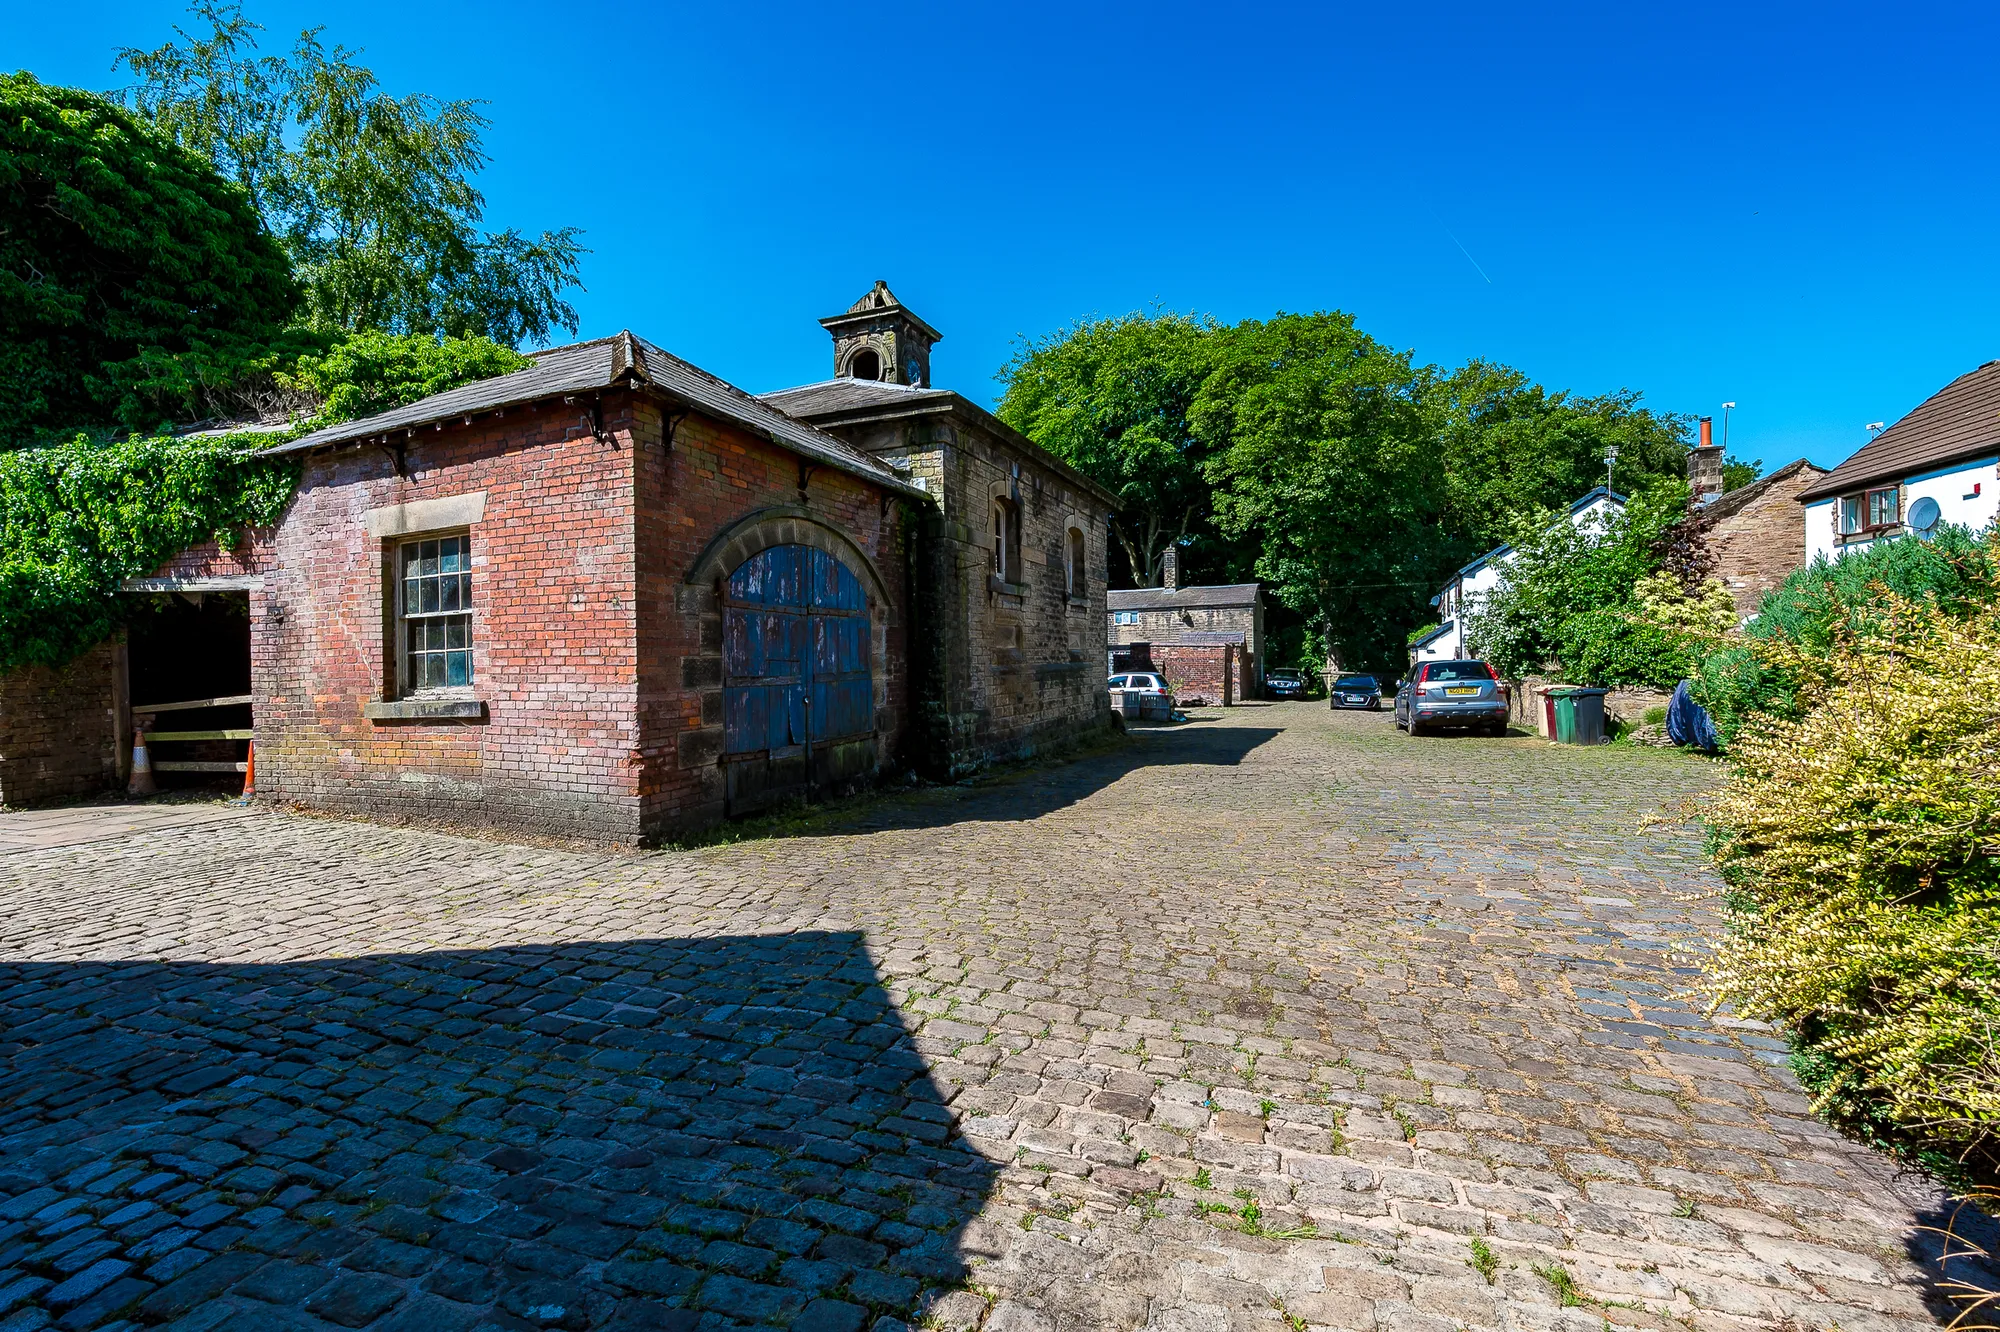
[[878, 339]]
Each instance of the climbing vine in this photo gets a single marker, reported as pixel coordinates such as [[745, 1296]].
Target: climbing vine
[[78, 518]]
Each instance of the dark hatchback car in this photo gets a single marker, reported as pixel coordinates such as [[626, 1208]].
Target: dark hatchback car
[[1442, 694], [1284, 683], [1355, 691]]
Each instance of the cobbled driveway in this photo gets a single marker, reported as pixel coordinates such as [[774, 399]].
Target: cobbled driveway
[[1278, 1020]]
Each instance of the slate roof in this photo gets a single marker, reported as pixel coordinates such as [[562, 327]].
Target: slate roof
[[616, 362], [844, 395], [1433, 636], [1734, 501], [1959, 422], [1184, 598], [837, 401], [1201, 638]]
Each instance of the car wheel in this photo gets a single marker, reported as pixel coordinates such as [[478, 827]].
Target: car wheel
[[1414, 728]]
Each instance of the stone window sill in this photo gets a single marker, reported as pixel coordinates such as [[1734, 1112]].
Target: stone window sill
[[1079, 603], [995, 583], [425, 709]]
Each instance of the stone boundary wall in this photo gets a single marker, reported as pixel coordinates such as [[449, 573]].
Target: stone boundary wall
[[1627, 704]]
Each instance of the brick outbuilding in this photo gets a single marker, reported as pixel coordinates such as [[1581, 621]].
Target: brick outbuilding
[[613, 597]]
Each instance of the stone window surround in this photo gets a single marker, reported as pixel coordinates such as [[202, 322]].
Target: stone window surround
[[392, 525]]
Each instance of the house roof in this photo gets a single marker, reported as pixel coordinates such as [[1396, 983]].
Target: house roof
[[1184, 598], [1735, 501], [835, 402], [1959, 421], [623, 361], [1433, 636], [1201, 638], [1576, 506]]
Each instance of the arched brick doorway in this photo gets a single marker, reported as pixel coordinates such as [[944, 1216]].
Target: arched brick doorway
[[798, 696]]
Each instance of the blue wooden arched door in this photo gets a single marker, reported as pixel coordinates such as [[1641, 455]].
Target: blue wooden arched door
[[798, 697]]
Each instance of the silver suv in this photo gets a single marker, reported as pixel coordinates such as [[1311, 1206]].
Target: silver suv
[[1452, 693]]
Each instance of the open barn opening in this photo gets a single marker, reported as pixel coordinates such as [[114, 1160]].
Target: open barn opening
[[190, 686]]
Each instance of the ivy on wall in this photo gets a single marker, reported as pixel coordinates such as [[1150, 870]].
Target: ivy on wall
[[76, 519]]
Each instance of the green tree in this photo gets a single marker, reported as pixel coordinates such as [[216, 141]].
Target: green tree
[[1571, 599], [1320, 450], [370, 194], [132, 277], [1111, 397], [372, 372], [1510, 449]]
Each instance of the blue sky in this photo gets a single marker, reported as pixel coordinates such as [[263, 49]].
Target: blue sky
[[1788, 206]]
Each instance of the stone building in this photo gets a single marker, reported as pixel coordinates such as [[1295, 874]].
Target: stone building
[[1194, 635], [1755, 533], [1012, 556], [612, 597]]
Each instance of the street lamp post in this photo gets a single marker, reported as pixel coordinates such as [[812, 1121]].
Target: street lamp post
[[1610, 463], [1727, 408]]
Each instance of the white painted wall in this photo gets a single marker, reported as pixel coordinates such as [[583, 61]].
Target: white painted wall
[[1967, 495], [1462, 595]]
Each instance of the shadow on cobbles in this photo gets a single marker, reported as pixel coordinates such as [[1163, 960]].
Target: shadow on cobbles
[[656, 1134], [1957, 1247], [1026, 796]]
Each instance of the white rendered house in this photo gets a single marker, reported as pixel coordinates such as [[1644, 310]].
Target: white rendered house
[[1472, 584], [1933, 467]]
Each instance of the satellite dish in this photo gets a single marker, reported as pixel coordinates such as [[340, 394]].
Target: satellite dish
[[1924, 517]]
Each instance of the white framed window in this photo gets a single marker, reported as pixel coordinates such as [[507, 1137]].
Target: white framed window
[[1125, 617], [1871, 510], [434, 614]]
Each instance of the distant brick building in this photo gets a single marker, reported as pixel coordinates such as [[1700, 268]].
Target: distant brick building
[[612, 597], [1755, 533], [1202, 632]]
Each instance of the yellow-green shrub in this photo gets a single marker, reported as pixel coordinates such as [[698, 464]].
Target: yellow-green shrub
[[1861, 842]]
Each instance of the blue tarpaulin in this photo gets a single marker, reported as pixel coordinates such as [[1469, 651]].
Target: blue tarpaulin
[[1687, 721]]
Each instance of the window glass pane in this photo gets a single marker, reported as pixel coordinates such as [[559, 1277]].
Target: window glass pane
[[448, 594], [465, 589], [454, 633], [458, 668], [429, 588]]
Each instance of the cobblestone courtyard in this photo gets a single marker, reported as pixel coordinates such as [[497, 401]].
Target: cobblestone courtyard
[[1280, 1020]]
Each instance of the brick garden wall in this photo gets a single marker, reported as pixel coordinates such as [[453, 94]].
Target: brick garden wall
[[1196, 672], [61, 728], [1163, 626]]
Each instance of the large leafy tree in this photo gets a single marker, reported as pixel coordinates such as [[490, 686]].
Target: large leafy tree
[[1111, 398], [370, 194], [1320, 449], [1510, 449], [128, 269]]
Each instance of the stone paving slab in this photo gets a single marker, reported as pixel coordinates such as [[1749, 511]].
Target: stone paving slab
[[1279, 1020], [72, 825]]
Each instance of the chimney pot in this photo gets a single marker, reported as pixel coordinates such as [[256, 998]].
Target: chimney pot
[[1704, 467]]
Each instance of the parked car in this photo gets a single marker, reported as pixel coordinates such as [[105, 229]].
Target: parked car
[[1283, 683], [1444, 694], [1142, 694], [1355, 691]]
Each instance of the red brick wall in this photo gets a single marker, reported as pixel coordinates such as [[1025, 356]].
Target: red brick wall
[[581, 631], [1196, 672], [60, 733]]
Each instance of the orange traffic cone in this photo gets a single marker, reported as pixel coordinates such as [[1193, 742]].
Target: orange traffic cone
[[142, 783], [249, 774]]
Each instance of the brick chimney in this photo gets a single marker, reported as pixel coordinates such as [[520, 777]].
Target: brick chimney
[[1705, 467], [1170, 568]]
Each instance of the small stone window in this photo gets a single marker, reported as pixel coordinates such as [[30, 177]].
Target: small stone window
[[1006, 541], [434, 613], [865, 365], [1076, 573]]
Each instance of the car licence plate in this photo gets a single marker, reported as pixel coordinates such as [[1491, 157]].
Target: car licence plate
[[1460, 690]]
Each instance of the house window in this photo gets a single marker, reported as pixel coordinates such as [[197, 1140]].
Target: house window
[[435, 611], [1006, 542], [1073, 566], [1870, 510], [1125, 617]]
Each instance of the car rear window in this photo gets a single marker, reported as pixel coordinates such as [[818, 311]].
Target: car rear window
[[1456, 670], [1355, 682], [1117, 682]]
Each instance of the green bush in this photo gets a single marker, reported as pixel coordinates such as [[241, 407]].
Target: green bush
[[1860, 840], [1956, 572], [372, 372]]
